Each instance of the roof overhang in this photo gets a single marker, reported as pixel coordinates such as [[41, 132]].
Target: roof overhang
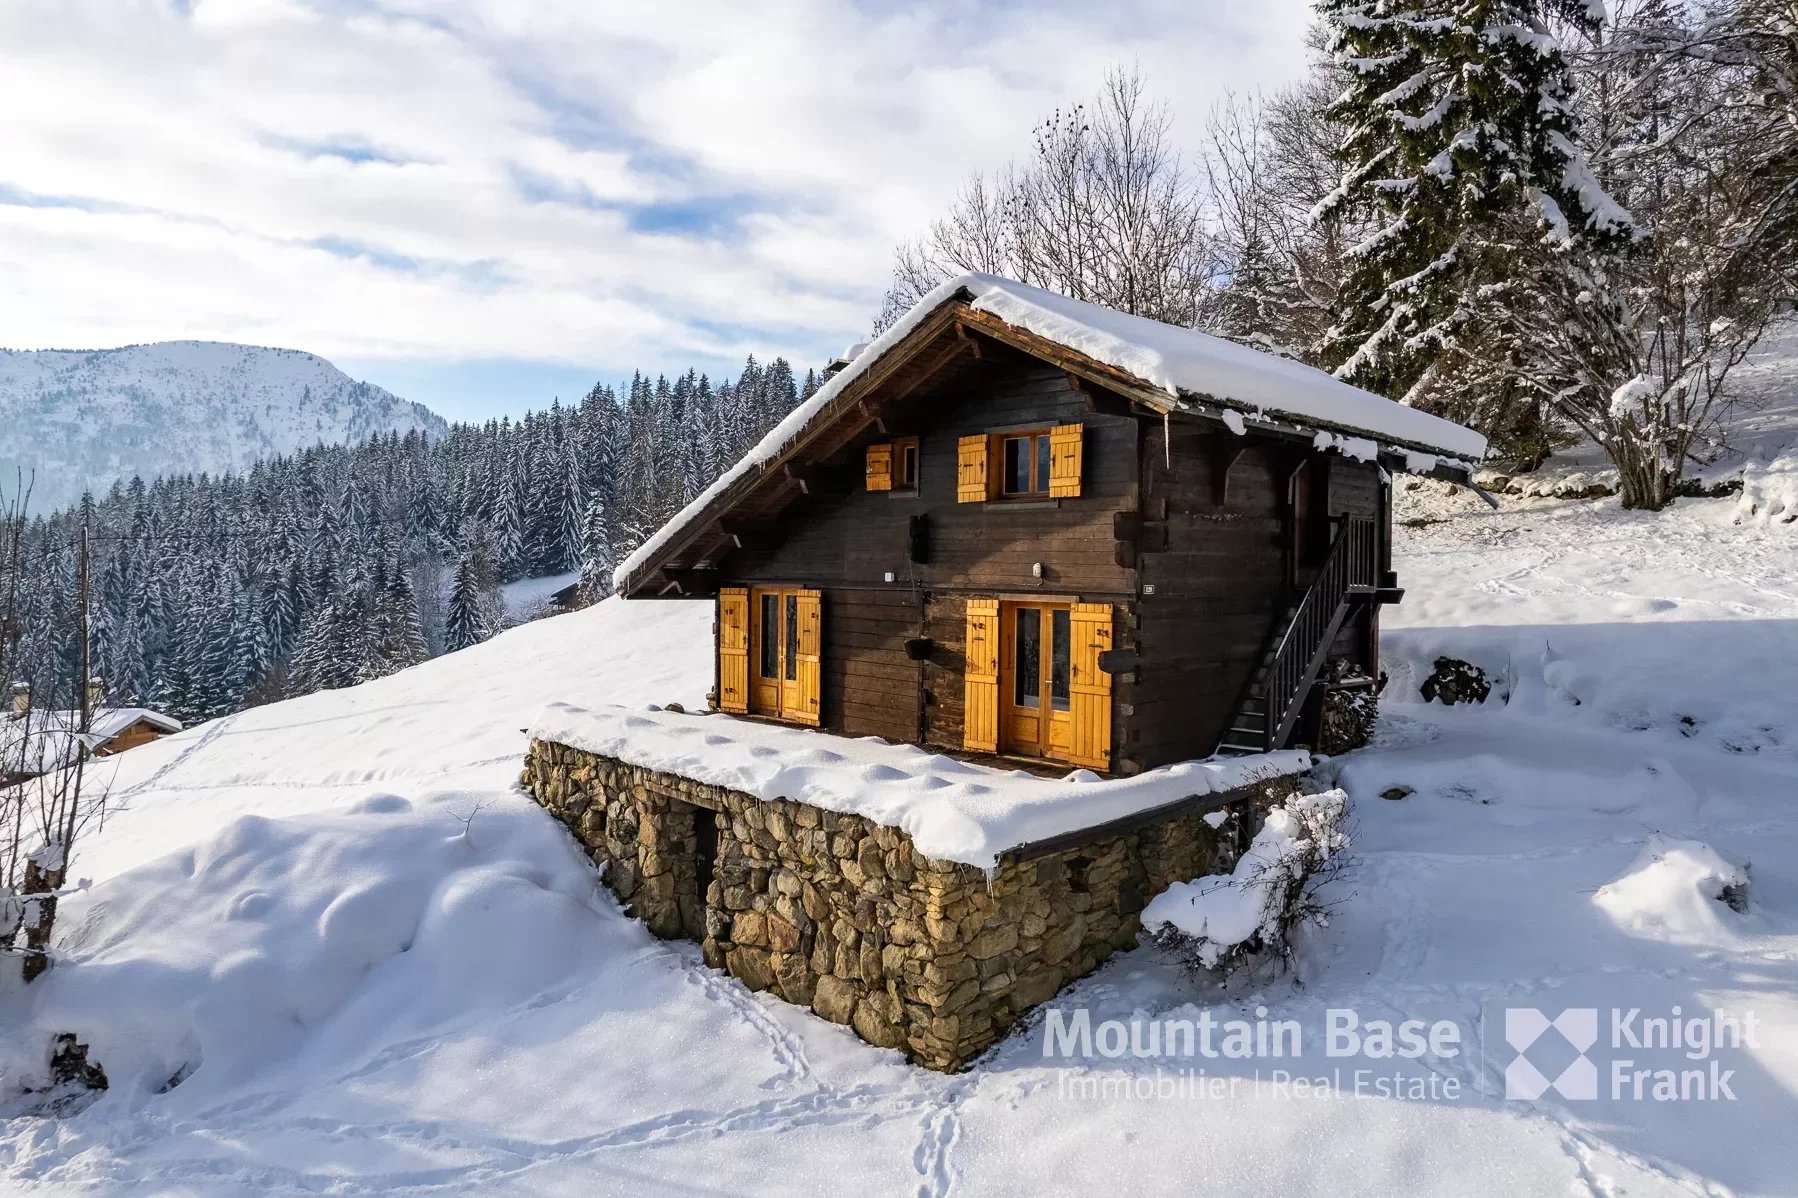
[[681, 560]]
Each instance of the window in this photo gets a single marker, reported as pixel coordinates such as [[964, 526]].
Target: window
[[905, 464], [1026, 464], [1031, 464], [892, 466], [1059, 659], [1027, 670], [770, 638], [792, 641]]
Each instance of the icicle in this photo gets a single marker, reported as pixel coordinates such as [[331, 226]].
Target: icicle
[[1167, 444]]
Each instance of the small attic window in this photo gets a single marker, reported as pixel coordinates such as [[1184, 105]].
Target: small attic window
[[905, 464]]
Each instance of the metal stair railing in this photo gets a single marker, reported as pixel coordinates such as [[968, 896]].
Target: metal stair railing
[[1292, 664]]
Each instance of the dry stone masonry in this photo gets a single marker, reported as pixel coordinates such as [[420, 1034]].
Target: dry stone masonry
[[843, 915]]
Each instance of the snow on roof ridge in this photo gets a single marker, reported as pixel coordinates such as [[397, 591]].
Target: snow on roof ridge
[[1182, 362], [953, 810]]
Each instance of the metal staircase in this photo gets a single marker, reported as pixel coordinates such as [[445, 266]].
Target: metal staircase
[[1301, 641]]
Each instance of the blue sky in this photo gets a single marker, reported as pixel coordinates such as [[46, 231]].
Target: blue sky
[[480, 204]]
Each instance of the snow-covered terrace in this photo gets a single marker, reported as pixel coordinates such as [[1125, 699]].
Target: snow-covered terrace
[[953, 810], [1178, 370]]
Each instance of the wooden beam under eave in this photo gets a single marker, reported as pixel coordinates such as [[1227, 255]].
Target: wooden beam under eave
[[847, 433], [1071, 361], [876, 376]]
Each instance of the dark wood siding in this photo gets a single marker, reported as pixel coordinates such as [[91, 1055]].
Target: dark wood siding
[[870, 687], [1217, 586], [844, 535], [844, 540], [1192, 544], [944, 701]]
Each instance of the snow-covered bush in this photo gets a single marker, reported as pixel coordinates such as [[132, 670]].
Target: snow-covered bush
[[1455, 681], [1222, 922], [1681, 892]]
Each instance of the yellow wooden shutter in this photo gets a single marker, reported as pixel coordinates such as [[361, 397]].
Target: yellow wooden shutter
[[733, 649], [970, 476], [1064, 461], [810, 656], [980, 715], [880, 467], [1090, 687]]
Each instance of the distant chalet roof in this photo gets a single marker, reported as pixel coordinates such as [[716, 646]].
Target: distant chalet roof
[[1162, 367], [46, 741]]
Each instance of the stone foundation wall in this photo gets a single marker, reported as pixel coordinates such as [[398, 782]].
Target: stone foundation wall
[[846, 916]]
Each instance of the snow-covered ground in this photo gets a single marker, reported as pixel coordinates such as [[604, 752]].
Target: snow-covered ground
[[1758, 445], [381, 969]]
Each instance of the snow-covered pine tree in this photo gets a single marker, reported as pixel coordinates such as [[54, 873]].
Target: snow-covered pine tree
[[508, 521], [1459, 118], [473, 607], [597, 558], [571, 526]]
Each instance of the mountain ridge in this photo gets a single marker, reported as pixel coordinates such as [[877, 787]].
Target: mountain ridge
[[79, 419]]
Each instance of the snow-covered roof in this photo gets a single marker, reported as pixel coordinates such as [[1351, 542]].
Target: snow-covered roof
[[45, 741], [952, 810], [1195, 372]]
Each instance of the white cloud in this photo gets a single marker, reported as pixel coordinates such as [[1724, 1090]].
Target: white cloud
[[499, 179]]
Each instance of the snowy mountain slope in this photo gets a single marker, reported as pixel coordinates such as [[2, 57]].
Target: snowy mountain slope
[[385, 970], [83, 418]]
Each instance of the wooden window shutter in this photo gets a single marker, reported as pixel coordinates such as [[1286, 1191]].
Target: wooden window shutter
[[733, 649], [980, 714], [971, 469], [1089, 689], [880, 467], [810, 657], [1065, 443]]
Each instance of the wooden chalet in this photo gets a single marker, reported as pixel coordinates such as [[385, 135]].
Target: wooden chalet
[[35, 742], [1026, 526]]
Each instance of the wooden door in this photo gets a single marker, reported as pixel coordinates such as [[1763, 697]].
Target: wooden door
[[1035, 684], [768, 653], [786, 653]]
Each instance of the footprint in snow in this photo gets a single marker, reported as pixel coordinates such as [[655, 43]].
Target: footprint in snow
[[251, 904]]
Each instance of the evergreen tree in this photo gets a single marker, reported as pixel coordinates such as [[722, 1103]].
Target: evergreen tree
[[597, 559], [1459, 120], [473, 606]]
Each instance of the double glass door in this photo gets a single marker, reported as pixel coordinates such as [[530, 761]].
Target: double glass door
[[776, 684], [1034, 684]]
